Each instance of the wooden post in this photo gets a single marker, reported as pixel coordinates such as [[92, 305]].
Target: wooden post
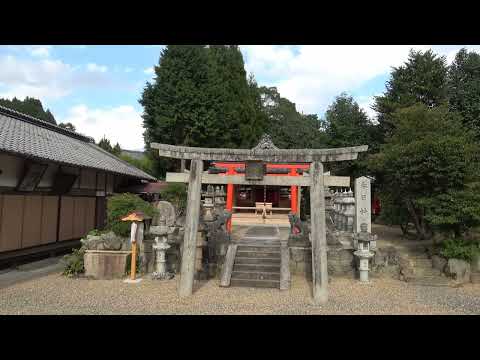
[[293, 194], [318, 235], [187, 271], [133, 240], [230, 191]]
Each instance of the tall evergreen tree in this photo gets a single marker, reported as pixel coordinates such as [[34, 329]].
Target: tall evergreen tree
[[287, 127], [239, 122], [348, 125], [176, 105], [29, 106], [105, 144], [422, 79], [464, 88]]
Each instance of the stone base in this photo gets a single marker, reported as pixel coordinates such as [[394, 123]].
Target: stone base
[[102, 264], [162, 276], [130, 281]]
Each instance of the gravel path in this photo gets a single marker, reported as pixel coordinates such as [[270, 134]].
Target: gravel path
[[55, 294]]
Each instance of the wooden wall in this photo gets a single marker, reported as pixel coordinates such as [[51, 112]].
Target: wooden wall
[[77, 217], [32, 220]]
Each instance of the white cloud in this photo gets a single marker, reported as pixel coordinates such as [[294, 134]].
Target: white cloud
[[32, 50], [47, 79], [122, 124], [44, 79], [312, 75], [149, 71], [366, 102], [92, 67], [40, 51]]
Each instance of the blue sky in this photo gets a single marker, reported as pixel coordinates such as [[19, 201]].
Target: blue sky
[[97, 87]]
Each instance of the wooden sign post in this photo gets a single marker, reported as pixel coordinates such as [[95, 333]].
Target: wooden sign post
[[135, 217], [133, 241]]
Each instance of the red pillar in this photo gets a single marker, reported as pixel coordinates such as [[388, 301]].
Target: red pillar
[[230, 171], [293, 193]]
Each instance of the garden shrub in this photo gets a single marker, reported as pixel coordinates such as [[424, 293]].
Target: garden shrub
[[73, 263], [457, 248], [121, 205]]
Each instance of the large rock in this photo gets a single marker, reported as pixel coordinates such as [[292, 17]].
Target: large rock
[[458, 270], [107, 241], [165, 210], [439, 263]]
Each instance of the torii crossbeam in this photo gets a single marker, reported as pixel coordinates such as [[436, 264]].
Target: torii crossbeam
[[268, 152]]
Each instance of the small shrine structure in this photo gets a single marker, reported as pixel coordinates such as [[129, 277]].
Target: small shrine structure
[[256, 160]]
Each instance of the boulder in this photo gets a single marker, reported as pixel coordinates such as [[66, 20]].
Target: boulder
[[439, 262], [107, 241], [458, 270]]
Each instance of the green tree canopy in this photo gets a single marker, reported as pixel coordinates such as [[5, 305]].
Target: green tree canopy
[[431, 164], [287, 127], [29, 106], [346, 124], [200, 97], [105, 144], [464, 88], [68, 126], [422, 79]]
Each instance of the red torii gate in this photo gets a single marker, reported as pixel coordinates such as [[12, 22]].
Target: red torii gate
[[231, 170]]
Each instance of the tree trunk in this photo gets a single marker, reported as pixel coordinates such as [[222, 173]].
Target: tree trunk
[[421, 233]]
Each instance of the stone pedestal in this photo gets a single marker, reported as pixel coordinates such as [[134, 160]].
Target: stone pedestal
[[104, 264]]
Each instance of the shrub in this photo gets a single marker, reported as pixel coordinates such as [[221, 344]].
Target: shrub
[[73, 263], [177, 195], [121, 205], [457, 248]]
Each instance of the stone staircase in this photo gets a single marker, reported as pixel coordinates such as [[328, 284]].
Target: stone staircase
[[420, 270], [257, 265]]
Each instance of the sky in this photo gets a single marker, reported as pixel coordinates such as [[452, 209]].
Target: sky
[[97, 87]]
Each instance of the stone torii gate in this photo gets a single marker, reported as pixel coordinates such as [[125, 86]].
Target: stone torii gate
[[265, 151]]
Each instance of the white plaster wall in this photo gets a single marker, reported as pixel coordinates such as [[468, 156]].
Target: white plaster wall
[[49, 176], [12, 168]]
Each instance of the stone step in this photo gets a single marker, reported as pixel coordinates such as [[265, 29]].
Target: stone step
[[429, 281], [255, 275], [419, 271], [256, 267], [256, 260], [274, 241], [255, 283], [257, 254], [426, 263], [259, 248]]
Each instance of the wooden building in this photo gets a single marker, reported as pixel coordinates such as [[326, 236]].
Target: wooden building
[[53, 185]]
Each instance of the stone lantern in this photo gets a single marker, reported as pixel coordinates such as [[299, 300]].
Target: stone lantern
[[343, 211], [160, 247], [338, 210], [364, 243], [349, 211], [219, 199], [208, 205]]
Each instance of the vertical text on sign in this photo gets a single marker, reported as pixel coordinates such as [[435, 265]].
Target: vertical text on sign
[[363, 207]]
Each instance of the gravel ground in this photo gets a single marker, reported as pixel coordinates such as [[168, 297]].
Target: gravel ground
[[55, 294]]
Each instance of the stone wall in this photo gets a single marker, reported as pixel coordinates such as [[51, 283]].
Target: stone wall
[[342, 262]]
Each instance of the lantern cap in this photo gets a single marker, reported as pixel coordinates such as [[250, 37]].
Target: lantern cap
[[136, 216]]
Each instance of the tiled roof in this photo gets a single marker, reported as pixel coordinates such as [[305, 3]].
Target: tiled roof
[[30, 137]]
